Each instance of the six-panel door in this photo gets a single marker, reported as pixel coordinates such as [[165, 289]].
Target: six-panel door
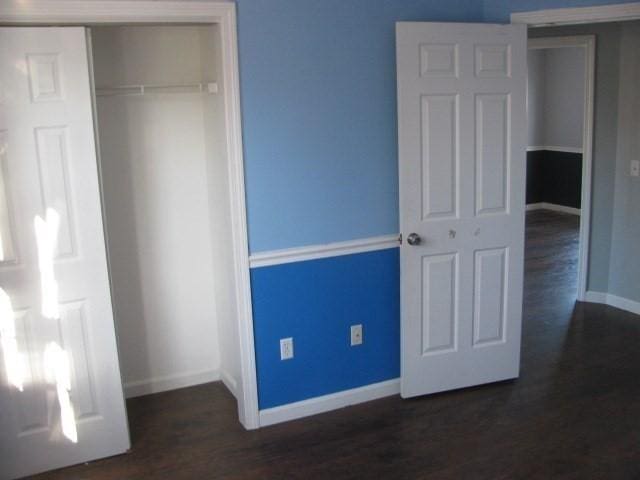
[[461, 124], [61, 398]]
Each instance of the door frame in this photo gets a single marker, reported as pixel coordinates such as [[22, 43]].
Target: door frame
[[574, 16], [587, 43], [110, 12], [577, 16]]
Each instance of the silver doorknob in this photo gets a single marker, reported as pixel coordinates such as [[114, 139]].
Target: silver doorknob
[[413, 239]]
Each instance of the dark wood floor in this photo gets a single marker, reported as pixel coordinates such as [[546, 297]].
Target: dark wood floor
[[573, 414]]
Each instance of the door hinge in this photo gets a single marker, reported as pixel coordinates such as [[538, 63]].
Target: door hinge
[[400, 239]]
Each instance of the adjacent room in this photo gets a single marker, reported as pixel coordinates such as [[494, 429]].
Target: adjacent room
[[557, 82], [555, 100]]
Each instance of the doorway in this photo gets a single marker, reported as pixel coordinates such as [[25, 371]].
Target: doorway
[[560, 123]]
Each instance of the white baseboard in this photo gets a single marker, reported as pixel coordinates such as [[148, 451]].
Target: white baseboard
[[138, 388], [624, 303], [595, 297], [230, 383], [554, 207], [325, 403], [613, 301]]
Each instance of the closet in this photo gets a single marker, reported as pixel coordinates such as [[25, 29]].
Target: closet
[[123, 244], [160, 130]]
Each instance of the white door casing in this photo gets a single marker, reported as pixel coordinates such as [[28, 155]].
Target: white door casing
[[222, 14], [61, 400], [462, 138]]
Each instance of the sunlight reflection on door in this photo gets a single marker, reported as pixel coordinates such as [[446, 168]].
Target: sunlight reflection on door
[[57, 366], [58, 371], [46, 238]]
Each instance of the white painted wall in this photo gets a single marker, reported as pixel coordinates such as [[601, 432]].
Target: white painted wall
[[154, 154], [564, 97], [556, 97], [535, 96], [219, 202]]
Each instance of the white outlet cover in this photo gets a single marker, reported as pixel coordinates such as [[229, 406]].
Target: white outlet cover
[[356, 335], [286, 348], [635, 168]]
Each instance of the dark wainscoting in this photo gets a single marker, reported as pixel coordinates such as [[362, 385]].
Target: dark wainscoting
[[535, 176], [554, 177]]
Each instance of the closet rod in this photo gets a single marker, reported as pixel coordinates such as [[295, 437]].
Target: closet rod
[[119, 90]]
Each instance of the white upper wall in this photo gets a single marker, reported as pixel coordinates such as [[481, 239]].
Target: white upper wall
[[161, 55], [563, 115], [535, 96], [556, 97]]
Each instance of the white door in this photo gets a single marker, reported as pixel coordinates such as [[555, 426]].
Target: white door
[[462, 128], [61, 400]]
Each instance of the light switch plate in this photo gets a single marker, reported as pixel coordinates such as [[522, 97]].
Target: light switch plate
[[635, 168]]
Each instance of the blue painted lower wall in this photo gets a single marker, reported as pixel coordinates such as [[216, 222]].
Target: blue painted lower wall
[[316, 302]]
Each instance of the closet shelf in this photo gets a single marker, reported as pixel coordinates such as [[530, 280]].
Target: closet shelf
[[131, 90]]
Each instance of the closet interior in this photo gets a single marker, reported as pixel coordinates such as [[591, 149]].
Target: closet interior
[[164, 173]]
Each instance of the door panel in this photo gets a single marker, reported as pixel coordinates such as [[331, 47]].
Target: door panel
[[439, 156], [490, 284], [439, 316], [7, 239], [492, 154], [52, 154], [461, 127], [61, 398]]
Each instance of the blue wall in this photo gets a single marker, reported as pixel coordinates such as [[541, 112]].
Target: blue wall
[[319, 115], [319, 124], [318, 92], [316, 302]]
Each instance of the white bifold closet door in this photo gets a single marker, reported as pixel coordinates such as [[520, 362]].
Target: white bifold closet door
[[61, 400]]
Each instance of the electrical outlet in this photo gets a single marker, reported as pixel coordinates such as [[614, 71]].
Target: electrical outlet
[[635, 168], [356, 335], [286, 348]]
